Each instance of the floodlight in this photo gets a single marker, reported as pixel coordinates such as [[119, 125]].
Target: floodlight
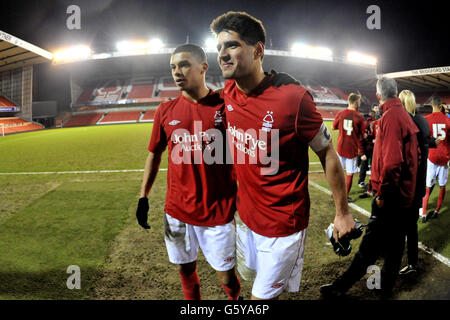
[[211, 44], [156, 44], [360, 58], [132, 46], [311, 52], [74, 53]]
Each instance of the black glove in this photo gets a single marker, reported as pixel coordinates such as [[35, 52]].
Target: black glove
[[281, 78], [343, 247], [142, 213]]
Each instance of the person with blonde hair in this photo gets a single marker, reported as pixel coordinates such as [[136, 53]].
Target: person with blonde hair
[[425, 141]]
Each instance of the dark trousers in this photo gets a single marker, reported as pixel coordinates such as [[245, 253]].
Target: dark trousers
[[363, 169], [412, 235], [384, 236]]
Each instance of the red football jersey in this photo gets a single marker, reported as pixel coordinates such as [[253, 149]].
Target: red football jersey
[[351, 128], [201, 187], [269, 131], [439, 127]]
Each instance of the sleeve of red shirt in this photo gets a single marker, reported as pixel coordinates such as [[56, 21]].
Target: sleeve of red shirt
[[362, 128], [392, 156], [309, 120], [158, 140], [336, 122]]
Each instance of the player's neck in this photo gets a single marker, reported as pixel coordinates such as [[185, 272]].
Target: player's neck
[[247, 84], [436, 109], [352, 108], [196, 94]]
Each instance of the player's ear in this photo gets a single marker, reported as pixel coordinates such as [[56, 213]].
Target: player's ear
[[259, 50], [204, 67]]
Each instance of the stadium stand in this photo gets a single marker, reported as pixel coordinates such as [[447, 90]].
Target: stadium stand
[[87, 119], [148, 116], [121, 117], [141, 91], [5, 102], [16, 124]]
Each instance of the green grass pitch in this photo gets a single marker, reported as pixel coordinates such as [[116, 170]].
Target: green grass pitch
[[49, 222]]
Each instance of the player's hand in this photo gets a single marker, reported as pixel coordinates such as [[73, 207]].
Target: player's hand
[[281, 78], [439, 140], [364, 157], [379, 202], [343, 224], [142, 213]]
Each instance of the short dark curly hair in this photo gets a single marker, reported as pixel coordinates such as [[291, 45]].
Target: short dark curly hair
[[250, 29]]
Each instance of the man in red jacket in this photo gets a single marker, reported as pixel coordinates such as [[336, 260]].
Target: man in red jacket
[[394, 172], [350, 124]]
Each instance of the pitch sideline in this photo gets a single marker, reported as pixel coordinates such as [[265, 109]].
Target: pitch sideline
[[428, 250], [423, 247]]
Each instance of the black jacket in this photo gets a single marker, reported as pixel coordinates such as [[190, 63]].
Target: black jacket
[[425, 142]]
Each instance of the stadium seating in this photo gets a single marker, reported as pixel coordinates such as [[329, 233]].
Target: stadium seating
[[121, 117], [321, 93], [141, 91], [328, 113], [83, 120], [5, 102], [15, 124], [149, 115]]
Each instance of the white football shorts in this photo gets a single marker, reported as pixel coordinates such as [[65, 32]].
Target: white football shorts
[[275, 263], [218, 243], [349, 165], [434, 172]]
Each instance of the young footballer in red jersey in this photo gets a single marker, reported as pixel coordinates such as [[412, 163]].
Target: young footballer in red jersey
[[200, 199], [351, 128], [437, 166], [270, 129]]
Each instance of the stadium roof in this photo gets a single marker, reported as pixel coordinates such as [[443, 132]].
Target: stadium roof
[[430, 79], [16, 53]]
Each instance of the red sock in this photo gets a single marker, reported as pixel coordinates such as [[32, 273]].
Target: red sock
[[425, 202], [191, 285], [348, 181], [233, 288], [441, 198]]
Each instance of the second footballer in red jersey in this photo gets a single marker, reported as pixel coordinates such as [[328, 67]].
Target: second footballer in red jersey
[[201, 189], [270, 129], [351, 128], [438, 158]]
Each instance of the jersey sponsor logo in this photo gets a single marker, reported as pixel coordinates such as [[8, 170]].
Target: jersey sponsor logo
[[199, 147], [174, 122], [255, 144], [230, 107]]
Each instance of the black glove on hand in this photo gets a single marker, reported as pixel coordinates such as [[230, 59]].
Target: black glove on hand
[[281, 78], [142, 213]]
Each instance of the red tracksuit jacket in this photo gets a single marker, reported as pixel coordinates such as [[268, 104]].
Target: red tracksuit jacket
[[395, 155]]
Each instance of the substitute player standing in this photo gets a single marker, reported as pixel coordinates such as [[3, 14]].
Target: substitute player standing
[[200, 199], [279, 124], [351, 128], [437, 166]]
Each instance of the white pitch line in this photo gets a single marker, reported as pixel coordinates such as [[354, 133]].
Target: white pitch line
[[428, 250], [75, 172]]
